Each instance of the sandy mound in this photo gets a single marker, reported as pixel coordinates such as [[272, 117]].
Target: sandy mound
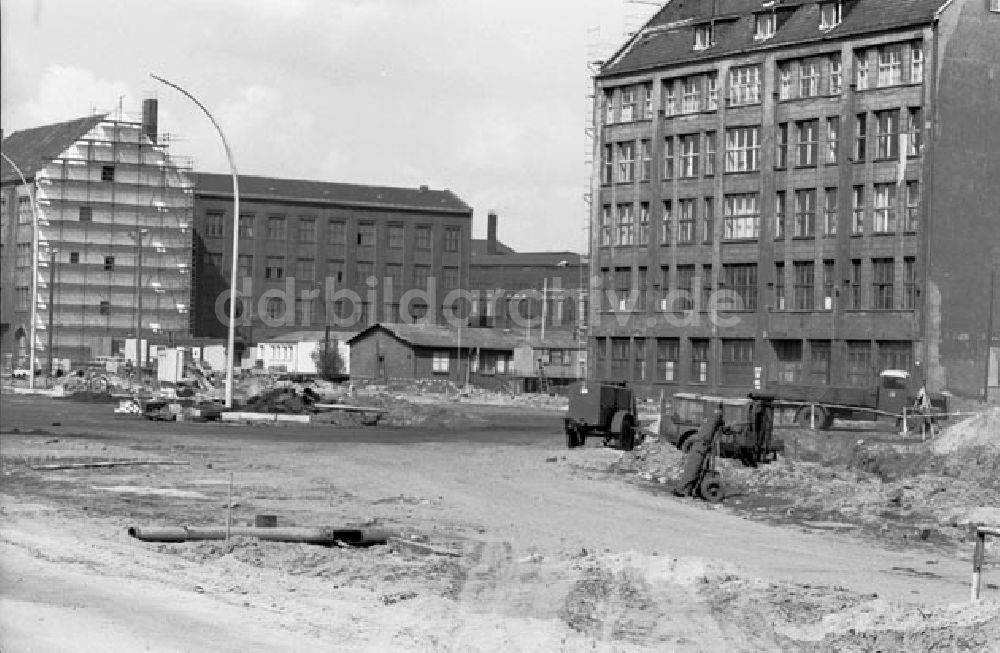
[[979, 430]]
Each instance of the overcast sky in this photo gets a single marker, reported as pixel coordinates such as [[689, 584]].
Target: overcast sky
[[484, 97]]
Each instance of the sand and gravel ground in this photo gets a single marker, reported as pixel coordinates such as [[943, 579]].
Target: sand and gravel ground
[[533, 547]]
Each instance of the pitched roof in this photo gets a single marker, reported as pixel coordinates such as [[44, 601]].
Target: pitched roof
[[273, 189], [32, 149], [480, 245], [446, 337], [310, 335], [668, 37], [549, 259]]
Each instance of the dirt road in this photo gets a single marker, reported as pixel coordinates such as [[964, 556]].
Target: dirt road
[[556, 553]]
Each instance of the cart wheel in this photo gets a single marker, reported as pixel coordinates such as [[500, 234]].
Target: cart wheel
[[687, 444], [711, 490], [627, 435]]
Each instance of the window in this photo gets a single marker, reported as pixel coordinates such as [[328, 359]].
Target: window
[[394, 275], [363, 272], [858, 210], [709, 153], [779, 286], [623, 289], [213, 224], [808, 141], [995, 5], [781, 146], [861, 70], [685, 221], [809, 78], [857, 301], [665, 222], [836, 75], [832, 138], [703, 37], [245, 268], [664, 286], [23, 295], [450, 277], [914, 142], [336, 233], [860, 135], [830, 212], [644, 223], [805, 213], [737, 362], [452, 238], [626, 224], [910, 281], [741, 279], [829, 279], [788, 357], [276, 227], [303, 312], [859, 363], [214, 260], [335, 270], [708, 220], [690, 95], [685, 288], [275, 308], [742, 216], [890, 65], [884, 211], [86, 214], [274, 267], [74, 257], [805, 283], [307, 230], [780, 214], [819, 363], [423, 237], [109, 263], [830, 14], [246, 226], [699, 360], [670, 98], [706, 286], [606, 225], [104, 308], [912, 216], [607, 164], [639, 359], [107, 173], [895, 354], [626, 161], [764, 26], [882, 279], [609, 106], [305, 269], [712, 80], [22, 255], [628, 104], [742, 149], [744, 86], [647, 101], [784, 80], [619, 358], [395, 236], [366, 234], [421, 276], [689, 154], [916, 62], [645, 159], [668, 158], [668, 353]]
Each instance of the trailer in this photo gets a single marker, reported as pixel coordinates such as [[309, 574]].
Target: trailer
[[748, 425], [601, 409]]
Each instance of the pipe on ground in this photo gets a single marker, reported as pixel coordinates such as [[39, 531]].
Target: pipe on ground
[[328, 536]]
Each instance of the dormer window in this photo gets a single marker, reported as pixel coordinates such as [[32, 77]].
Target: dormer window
[[830, 14], [703, 36], [764, 26]]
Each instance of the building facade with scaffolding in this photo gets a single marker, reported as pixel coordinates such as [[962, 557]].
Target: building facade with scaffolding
[[97, 239]]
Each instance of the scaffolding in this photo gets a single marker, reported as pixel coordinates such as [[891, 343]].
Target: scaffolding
[[115, 220]]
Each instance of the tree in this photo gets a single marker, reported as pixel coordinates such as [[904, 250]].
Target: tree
[[329, 364]]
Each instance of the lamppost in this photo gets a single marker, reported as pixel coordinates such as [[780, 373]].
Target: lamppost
[[34, 270], [230, 352], [139, 362]]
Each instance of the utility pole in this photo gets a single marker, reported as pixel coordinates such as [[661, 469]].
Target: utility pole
[[52, 309], [989, 333]]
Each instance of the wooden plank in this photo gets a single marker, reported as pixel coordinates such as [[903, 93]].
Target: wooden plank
[[354, 409]]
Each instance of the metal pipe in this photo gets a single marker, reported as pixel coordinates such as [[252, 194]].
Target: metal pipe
[[352, 536], [34, 271], [230, 356]]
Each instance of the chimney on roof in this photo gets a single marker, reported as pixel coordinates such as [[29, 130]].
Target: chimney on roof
[[149, 126], [491, 232], [423, 189]]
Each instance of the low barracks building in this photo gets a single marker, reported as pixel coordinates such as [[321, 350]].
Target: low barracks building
[[830, 165], [319, 238]]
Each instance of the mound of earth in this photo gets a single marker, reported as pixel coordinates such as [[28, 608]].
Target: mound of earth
[[982, 430]]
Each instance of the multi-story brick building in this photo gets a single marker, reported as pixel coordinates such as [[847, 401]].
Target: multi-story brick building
[[831, 166], [113, 239], [315, 254]]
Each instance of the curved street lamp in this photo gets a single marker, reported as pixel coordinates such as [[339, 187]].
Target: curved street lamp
[[230, 352], [34, 274]]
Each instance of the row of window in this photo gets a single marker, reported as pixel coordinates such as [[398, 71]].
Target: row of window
[[658, 360], [878, 67], [336, 234], [619, 225], [802, 143], [686, 288]]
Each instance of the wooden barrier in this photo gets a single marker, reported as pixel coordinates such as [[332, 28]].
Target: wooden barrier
[[978, 556]]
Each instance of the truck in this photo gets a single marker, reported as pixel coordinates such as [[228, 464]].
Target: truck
[[601, 409], [817, 406], [748, 432]]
